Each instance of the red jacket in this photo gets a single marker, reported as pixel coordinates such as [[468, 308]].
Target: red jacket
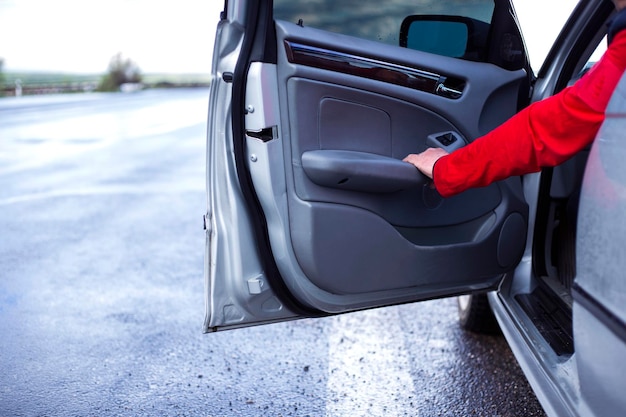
[[546, 133]]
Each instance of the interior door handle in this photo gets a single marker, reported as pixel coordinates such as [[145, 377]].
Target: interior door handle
[[448, 92]]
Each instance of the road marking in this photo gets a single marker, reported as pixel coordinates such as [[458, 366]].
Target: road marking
[[369, 367]]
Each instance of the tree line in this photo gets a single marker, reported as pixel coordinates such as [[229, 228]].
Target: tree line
[[120, 71]]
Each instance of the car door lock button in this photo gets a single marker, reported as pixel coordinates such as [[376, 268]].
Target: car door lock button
[[446, 139]]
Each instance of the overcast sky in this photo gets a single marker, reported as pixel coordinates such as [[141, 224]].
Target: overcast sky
[[163, 36], [82, 35]]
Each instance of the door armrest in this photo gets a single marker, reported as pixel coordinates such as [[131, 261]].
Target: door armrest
[[360, 171]]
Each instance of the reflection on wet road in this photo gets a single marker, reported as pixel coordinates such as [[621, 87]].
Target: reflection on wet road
[[101, 290]]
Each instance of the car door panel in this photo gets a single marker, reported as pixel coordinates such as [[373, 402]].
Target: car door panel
[[347, 223], [413, 124], [353, 242]]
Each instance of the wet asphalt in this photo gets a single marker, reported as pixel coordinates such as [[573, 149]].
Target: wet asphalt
[[101, 290]]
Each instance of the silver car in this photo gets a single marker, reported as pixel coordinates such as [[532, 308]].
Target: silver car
[[312, 212]]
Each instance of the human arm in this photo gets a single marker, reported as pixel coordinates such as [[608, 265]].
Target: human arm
[[544, 134]]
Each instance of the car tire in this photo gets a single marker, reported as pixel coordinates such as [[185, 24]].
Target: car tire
[[475, 314]]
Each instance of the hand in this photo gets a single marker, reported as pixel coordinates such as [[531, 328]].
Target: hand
[[425, 161]]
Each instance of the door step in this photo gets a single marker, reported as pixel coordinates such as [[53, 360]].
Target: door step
[[551, 317]]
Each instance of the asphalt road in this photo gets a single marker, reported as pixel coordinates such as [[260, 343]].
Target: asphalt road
[[101, 290]]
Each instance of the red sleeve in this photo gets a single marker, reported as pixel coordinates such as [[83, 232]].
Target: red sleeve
[[545, 133]]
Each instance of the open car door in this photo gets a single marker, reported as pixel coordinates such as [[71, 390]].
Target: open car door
[[311, 210]]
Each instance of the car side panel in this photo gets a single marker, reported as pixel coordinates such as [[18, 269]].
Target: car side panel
[[600, 286]]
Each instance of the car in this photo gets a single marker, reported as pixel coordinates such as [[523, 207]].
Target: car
[[311, 211]]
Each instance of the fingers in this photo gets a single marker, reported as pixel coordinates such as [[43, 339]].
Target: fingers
[[425, 161]]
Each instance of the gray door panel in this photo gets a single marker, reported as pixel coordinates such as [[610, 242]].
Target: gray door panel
[[364, 228], [410, 124]]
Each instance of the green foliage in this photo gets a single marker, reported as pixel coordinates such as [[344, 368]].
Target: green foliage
[[120, 71]]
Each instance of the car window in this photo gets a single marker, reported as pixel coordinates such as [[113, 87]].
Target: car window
[[373, 19]]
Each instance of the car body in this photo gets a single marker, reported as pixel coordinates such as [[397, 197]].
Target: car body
[[312, 212]]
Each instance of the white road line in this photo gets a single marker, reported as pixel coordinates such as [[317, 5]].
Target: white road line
[[369, 367]]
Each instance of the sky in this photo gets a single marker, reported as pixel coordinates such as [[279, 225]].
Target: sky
[[81, 36], [541, 21]]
